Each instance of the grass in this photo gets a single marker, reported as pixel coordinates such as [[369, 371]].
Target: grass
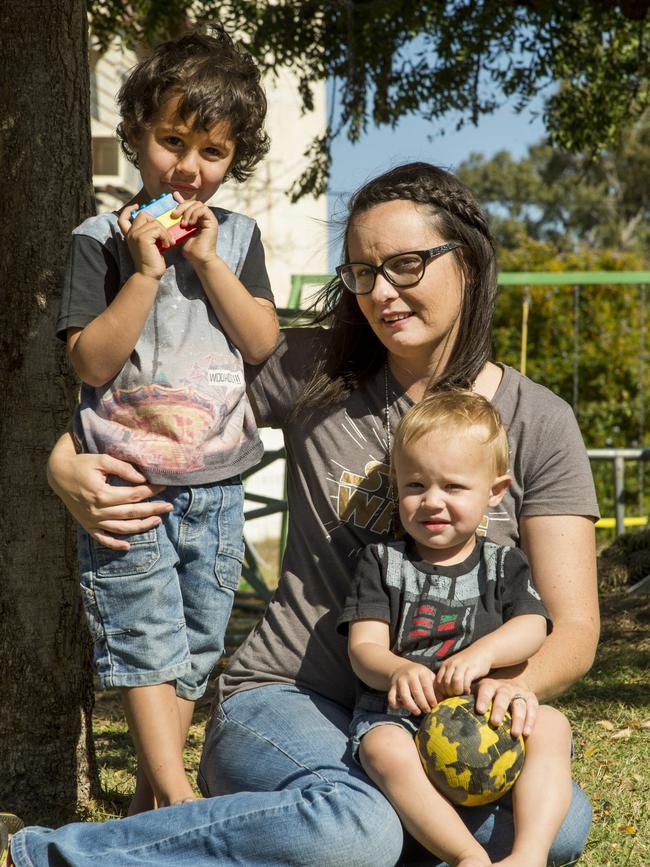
[[609, 710]]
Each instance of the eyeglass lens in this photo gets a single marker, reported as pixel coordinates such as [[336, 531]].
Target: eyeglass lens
[[405, 269]]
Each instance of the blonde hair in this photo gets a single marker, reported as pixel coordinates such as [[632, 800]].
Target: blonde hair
[[455, 411]]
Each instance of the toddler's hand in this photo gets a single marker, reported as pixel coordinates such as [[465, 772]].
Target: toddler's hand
[[412, 687], [200, 248], [141, 236], [456, 674]]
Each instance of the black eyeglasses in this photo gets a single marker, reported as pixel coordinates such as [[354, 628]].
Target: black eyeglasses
[[402, 270]]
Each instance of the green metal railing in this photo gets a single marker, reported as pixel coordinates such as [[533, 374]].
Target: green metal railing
[[270, 505]]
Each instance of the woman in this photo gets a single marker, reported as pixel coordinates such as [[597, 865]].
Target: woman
[[410, 309]]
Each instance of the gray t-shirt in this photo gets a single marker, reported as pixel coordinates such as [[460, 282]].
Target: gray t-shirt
[[338, 504], [178, 409]]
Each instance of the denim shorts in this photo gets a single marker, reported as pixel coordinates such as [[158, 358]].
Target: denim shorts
[[158, 612], [364, 720]]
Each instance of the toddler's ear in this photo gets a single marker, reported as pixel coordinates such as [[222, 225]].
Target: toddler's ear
[[499, 487]]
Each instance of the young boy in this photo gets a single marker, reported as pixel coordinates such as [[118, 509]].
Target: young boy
[[157, 334], [431, 615]]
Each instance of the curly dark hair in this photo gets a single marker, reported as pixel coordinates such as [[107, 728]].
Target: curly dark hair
[[353, 353], [216, 81]]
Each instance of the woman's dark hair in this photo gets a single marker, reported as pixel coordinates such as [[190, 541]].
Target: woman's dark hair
[[353, 353], [215, 80]]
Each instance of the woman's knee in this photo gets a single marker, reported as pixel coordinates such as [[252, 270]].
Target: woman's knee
[[572, 836], [367, 832]]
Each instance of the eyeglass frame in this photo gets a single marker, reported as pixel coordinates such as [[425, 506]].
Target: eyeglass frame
[[425, 256]]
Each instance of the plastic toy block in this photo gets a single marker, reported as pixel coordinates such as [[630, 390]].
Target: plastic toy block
[[161, 208]]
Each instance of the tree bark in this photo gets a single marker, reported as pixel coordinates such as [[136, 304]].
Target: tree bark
[[47, 768]]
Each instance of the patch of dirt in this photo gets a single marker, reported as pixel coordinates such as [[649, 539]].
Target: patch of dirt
[[625, 618], [625, 561]]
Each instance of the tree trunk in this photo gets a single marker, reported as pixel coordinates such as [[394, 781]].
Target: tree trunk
[[47, 769]]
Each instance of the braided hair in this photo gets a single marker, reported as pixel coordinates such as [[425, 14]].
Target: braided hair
[[353, 353]]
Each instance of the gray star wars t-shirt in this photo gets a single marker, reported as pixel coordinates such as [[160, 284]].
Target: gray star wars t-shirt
[[338, 504]]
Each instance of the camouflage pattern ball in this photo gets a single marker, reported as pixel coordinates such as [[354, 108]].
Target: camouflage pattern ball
[[466, 758]]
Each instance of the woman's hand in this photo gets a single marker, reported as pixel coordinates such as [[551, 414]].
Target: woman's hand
[[503, 695], [82, 483]]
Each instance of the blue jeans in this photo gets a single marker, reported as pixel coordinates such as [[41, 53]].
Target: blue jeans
[[292, 795], [158, 612]]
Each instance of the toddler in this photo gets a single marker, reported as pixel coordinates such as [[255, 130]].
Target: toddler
[[430, 615]]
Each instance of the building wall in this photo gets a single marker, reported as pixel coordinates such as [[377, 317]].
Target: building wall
[[115, 178]]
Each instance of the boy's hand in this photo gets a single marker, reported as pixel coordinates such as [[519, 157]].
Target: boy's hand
[[412, 687], [201, 248], [141, 236], [456, 674]]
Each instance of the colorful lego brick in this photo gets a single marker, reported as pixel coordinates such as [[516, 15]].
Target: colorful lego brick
[[161, 208]]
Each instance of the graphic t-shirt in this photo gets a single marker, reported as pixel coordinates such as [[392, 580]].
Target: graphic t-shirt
[[433, 611], [178, 409], [337, 489]]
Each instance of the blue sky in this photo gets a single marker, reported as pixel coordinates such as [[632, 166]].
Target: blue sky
[[416, 139]]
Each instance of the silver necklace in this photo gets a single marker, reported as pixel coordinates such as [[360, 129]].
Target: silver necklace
[[387, 412], [394, 517]]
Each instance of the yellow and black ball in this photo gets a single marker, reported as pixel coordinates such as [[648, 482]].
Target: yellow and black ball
[[470, 761]]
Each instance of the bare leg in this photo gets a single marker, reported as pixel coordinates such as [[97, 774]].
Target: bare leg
[[542, 793], [389, 757], [158, 721], [185, 714], [143, 797]]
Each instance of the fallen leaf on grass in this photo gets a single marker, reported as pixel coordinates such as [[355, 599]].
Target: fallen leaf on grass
[[590, 751], [606, 724], [645, 724], [627, 829], [624, 733]]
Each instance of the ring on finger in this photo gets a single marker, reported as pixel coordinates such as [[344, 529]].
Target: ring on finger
[[518, 696]]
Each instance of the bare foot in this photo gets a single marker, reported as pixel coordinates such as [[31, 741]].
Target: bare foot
[[141, 805], [143, 797], [9, 825], [142, 802], [5, 847], [530, 859]]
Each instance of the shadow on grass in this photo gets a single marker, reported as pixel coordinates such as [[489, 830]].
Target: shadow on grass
[[620, 672]]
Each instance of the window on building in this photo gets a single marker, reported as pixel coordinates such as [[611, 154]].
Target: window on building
[[106, 156]]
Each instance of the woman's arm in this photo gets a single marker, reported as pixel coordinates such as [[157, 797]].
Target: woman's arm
[[513, 642], [82, 483], [562, 554]]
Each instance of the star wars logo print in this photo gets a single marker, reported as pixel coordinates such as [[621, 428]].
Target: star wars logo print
[[362, 500]]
